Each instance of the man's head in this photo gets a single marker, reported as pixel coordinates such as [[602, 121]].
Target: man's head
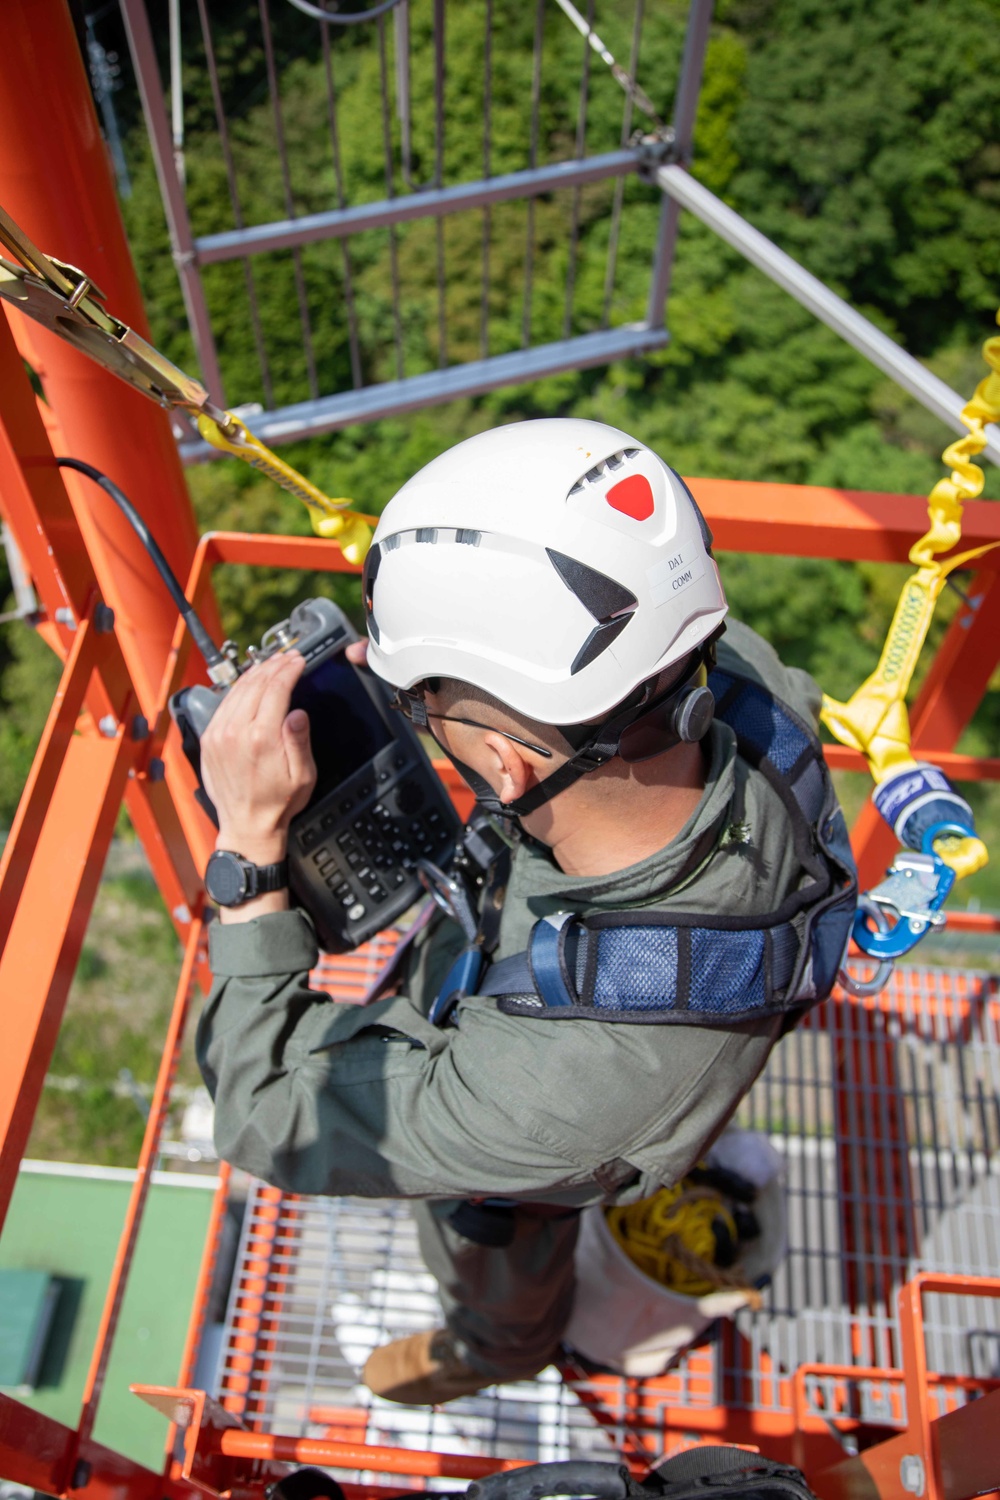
[[554, 570]]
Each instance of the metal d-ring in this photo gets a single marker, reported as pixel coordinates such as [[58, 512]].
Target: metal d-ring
[[862, 988]]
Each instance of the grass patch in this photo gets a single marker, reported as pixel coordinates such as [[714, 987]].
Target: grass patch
[[116, 1018]]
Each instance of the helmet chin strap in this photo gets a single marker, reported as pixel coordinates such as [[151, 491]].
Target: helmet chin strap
[[599, 746]]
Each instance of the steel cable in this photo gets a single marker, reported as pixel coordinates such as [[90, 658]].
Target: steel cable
[[439, 77], [536, 95], [230, 169], [352, 313], [390, 192], [330, 18], [611, 264], [286, 180], [484, 311], [581, 139]]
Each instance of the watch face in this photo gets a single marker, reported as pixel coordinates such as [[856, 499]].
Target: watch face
[[226, 878]]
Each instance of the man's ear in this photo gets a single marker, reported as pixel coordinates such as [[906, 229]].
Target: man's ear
[[508, 771]]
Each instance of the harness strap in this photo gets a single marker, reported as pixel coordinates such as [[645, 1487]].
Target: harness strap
[[662, 965], [614, 963]]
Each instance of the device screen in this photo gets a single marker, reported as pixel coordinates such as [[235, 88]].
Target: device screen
[[347, 729]]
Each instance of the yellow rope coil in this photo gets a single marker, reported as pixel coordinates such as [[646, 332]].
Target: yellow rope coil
[[330, 518], [875, 720], [670, 1237]]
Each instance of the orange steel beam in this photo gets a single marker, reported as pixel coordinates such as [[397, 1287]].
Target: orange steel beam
[[951, 1457], [140, 1188], [47, 932], [35, 504], [33, 499], [263, 1295], [266, 1447], [952, 691], [26, 830], [968, 1448], [36, 1451], [805, 520], [55, 180], [238, 1382], [958, 767], [199, 1306], [878, 1229]]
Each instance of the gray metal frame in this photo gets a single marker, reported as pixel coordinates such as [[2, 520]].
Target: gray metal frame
[[685, 110], [154, 108], [432, 203], [661, 159], [473, 378], [683, 189]]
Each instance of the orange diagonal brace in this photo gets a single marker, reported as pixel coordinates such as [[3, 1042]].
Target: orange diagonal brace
[[30, 816], [807, 520], [47, 932], [140, 1188]]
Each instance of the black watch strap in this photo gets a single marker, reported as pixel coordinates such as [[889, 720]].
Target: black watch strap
[[271, 877], [230, 879]]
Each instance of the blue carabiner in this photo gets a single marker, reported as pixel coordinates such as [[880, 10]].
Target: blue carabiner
[[915, 888]]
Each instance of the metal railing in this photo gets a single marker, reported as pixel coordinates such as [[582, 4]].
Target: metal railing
[[399, 114], [416, 349]]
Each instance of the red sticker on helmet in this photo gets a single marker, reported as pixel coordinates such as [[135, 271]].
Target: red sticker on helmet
[[633, 497]]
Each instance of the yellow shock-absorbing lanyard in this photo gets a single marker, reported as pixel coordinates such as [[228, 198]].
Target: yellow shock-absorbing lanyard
[[874, 720], [65, 300], [330, 518]]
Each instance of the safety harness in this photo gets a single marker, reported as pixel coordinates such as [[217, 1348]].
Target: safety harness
[[658, 966]]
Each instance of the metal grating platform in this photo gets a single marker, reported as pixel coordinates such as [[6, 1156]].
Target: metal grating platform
[[888, 1116]]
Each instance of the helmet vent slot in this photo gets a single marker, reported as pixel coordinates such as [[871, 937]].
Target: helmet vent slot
[[467, 537], [600, 471], [427, 534], [600, 595]]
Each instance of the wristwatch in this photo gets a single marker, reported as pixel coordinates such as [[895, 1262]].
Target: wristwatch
[[230, 879]]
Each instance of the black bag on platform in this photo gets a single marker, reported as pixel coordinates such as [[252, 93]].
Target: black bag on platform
[[699, 1474]]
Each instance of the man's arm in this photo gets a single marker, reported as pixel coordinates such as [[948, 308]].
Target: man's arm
[[316, 1097], [375, 1101], [324, 1098], [258, 770]]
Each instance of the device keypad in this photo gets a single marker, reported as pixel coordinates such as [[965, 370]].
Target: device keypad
[[380, 847]]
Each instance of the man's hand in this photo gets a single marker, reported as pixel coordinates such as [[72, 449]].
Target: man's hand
[[258, 769]]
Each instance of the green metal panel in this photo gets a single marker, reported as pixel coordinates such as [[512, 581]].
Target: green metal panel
[[65, 1223], [26, 1307]]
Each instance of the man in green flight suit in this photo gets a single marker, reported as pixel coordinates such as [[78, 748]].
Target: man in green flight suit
[[543, 598]]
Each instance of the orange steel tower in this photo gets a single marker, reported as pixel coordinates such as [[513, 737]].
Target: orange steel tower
[[890, 1416]]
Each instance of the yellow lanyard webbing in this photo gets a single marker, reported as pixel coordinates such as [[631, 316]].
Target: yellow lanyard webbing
[[329, 518], [875, 720]]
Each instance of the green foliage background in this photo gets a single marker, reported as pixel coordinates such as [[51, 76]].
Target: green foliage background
[[859, 134]]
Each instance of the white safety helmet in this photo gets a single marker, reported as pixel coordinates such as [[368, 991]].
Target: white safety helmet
[[555, 564]]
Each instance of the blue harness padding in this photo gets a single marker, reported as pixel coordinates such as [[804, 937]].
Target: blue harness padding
[[659, 966]]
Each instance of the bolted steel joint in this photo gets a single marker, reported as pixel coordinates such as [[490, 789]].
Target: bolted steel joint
[[654, 149], [108, 726], [81, 1474], [912, 1475], [156, 770], [104, 618]]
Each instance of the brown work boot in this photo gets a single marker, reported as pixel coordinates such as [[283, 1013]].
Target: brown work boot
[[422, 1370]]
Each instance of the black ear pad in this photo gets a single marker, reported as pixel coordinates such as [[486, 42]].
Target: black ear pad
[[694, 714]]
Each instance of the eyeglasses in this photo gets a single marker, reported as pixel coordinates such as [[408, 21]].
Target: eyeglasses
[[413, 707]]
